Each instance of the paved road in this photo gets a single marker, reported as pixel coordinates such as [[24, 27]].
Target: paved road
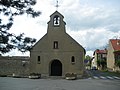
[[8, 83], [95, 74]]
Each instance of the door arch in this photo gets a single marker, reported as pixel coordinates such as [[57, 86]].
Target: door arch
[[56, 68]]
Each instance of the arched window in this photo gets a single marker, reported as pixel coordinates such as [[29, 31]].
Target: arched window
[[56, 20], [72, 59]]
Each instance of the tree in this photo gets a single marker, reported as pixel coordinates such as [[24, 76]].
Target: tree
[[9, 9], [88, 60], [118, 63], [98, 63], [102, 63]]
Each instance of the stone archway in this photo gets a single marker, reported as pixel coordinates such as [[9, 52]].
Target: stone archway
[[56, 68]]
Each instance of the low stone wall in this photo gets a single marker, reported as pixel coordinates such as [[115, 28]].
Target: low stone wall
[[14, 65]]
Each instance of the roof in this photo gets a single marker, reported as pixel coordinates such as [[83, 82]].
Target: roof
[[100, 51], [115, 44], [56, 12]]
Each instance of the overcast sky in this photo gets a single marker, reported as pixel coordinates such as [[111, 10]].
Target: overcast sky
[[90, 22]]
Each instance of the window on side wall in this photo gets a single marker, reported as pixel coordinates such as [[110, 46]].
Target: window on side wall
[[73, 60], [39, 61]]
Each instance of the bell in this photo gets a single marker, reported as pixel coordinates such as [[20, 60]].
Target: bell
[[56, 22]]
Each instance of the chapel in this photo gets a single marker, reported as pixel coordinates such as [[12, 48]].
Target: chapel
[[57, 53]]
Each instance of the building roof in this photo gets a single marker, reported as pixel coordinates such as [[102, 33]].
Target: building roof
[[100, 51], [56, 12], [115, 44]]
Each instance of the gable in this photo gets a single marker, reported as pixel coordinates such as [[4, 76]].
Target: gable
[[57, 13], [73, 43], [66, 43], [40, 43]]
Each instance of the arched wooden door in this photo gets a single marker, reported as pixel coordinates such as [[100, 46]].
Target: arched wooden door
[[56, 68]]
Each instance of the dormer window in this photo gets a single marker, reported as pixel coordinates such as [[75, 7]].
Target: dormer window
[[56, 20]]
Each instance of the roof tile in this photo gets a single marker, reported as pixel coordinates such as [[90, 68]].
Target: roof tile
[[115, 44]]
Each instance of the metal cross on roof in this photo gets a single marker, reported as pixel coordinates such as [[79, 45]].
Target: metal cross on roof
[[57, 5]]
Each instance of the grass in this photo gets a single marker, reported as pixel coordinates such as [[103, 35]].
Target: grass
[[111, 73]]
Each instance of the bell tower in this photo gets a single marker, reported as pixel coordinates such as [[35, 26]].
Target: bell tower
[[56, 23]]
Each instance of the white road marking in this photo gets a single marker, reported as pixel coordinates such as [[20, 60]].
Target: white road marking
[[95, 77], [116, 77], [109, 77], [102, 77], [106, 77]]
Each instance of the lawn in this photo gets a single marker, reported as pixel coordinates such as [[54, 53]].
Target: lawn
[[108, 73]]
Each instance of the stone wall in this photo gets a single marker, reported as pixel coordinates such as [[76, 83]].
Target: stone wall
[[18, 65]]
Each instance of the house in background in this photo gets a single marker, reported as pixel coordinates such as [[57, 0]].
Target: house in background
[[113, 56], [99, 60], [93, 63]]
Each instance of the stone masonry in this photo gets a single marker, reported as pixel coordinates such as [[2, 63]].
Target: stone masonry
[[18, 65]]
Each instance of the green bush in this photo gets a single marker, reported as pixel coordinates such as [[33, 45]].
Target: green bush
[[118, 63]]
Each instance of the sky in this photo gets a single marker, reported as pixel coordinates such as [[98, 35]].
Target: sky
[[90, 22]]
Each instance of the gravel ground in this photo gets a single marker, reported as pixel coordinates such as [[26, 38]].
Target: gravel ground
[[8, 83]]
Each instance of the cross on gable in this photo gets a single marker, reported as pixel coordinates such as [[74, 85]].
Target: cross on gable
[[57, 5]]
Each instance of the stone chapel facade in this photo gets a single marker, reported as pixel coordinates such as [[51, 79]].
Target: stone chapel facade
[[57, 53]]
